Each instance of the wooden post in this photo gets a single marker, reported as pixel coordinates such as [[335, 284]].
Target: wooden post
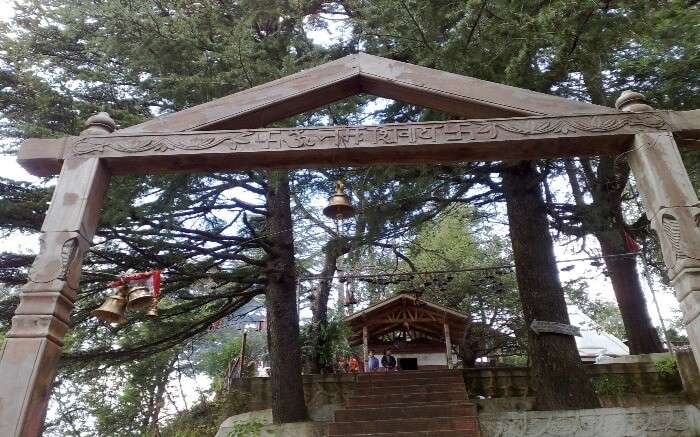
[[365, 346], [241, 358], [29, 357], [673, 209], [448, 345]]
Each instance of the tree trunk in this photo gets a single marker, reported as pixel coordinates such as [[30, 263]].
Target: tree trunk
[[558, 376], [283, 321], [641, 335], [603, 218], [319, 306]]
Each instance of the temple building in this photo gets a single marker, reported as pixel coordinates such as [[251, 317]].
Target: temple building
[[424, 335], [419, 333]]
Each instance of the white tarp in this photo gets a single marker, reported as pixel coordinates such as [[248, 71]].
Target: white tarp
[[594, 340]]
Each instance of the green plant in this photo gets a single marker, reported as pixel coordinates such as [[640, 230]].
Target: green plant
[[325, 342], [609, 385], [666, 367], [249, 428]]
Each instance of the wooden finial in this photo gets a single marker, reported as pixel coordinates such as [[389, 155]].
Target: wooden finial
[[632, 101], [100, 123]]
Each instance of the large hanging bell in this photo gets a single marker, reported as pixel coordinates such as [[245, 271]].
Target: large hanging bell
[[339, 204], [112, 310], [140, 297]]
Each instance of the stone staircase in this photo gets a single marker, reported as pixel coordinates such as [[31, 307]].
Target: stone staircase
[[407, 404]]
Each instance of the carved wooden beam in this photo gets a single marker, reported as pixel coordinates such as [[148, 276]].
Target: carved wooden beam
[[451, 141]]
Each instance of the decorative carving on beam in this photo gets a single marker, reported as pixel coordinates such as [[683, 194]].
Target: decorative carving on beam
[[96, 145], [594, 124], [381, 135]]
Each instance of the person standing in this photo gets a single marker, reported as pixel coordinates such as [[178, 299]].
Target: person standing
[[388, 361], [372, 362], [341, 366], [353, 364]]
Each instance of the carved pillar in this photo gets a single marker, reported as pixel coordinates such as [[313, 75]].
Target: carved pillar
[[30, 354], [673, 209], [365, 346], [448, 345]]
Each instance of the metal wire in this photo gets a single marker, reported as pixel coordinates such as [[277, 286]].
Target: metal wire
[[471, 269]]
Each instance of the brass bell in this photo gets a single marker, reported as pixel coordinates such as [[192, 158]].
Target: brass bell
[[139, 297], [112, 310], [152, 312], [339, 204]]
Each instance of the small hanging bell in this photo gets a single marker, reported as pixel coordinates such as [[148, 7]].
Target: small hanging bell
[[139, 297], [349, 295], [339, 204], [152, 312], [112, 310]]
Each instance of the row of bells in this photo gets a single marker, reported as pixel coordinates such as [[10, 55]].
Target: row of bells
[[113, 308]]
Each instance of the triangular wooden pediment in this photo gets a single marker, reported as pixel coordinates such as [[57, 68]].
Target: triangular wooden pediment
[[362, 73]]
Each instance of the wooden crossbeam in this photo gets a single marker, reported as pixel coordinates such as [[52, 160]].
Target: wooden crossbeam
[[451, 141]]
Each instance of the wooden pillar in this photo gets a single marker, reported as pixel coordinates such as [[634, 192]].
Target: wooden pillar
[[31, 351], [365, 346], [448, 345], [673, 209]]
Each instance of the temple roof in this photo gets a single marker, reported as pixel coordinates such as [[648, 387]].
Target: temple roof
[[405, 312]]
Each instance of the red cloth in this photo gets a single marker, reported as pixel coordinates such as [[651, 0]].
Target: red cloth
[[151, 280], [632, 245]]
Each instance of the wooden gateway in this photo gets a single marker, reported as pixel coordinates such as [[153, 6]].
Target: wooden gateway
[[495, 122]]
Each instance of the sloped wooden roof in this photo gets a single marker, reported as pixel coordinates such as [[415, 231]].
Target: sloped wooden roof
[[394, 313], [363, 73]]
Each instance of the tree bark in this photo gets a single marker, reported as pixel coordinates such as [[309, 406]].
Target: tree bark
[[559, 378], [607, 186], [288, 403], [642, 337], [604, 219], [335, 248]]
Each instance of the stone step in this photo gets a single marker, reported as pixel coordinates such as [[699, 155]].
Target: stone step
[[431, 433], [386, 399], [409, 374], [391, 382], [392, 426], [407, 387], [453, 409]]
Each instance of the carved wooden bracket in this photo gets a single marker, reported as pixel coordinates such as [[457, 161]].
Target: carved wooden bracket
[[679, 234], [59, 258]]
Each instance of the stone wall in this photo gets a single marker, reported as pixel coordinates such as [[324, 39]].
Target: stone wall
[[667, 421], [618, 385], [613, 382], [322, 392]]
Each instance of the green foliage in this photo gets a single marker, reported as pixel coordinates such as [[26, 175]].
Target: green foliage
[[325, 342], [459, 240], [610, 385], [604, 313], [666, 367], [215, 360], [515, 360], [250, 428]]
